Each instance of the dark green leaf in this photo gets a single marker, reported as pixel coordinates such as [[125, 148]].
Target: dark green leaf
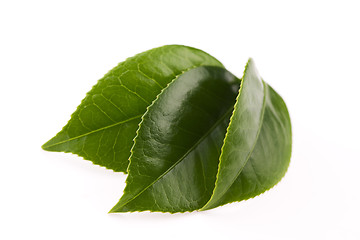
[[198, 136], [257, 146], [175, 159], [176, 153]]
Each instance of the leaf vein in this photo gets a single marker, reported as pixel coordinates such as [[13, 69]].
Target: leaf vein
[[94, 131], [227, 113]]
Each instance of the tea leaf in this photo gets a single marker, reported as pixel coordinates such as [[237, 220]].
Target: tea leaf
[[104, 125]]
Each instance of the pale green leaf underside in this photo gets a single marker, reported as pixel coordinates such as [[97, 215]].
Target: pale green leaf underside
[[199, 137]]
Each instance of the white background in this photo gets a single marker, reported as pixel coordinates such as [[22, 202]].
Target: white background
[[53, 52]]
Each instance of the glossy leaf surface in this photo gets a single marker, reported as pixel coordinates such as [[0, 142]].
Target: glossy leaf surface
[[257, 146], [104, 125], [176, 153], [255, 152], [191, 135], [271, 155]]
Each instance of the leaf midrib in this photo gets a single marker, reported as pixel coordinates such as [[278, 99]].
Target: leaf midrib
[[214, 126], [91, 132]]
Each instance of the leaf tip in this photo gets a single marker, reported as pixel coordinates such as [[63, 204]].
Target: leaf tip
[[45, 146], [48, 146], [112, 211], [115, 209]]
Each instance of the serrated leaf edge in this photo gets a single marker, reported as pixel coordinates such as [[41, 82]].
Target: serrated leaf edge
[[227, 130], [137, 131], [92, 88]]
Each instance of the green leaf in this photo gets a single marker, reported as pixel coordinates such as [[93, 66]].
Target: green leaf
[[257, 147], [174, 160], [104, 125], [197, 136]]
